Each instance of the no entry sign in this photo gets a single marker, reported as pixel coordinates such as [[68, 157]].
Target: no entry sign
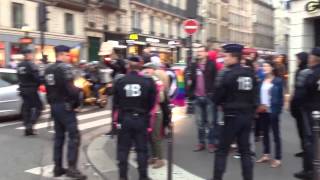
[[190, 26]]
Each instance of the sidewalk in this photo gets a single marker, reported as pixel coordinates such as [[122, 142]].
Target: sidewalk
[[189, 165]]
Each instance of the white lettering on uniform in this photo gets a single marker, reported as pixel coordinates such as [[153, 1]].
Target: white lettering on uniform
[[245, 83], [133, 90]]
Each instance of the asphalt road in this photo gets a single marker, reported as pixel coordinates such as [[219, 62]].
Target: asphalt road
[[30, 158]]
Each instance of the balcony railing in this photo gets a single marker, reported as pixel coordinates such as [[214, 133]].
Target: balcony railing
[[109, 4], [78, 5], [163, 6]]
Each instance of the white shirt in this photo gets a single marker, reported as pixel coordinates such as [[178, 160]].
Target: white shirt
[[265, 97]]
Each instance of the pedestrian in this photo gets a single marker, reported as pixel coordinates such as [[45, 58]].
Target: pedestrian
[[308, 96], [271, 103], [236, 92], [134, 98], [203, 91], [302, 62], [63, 98], [29, 82], [156, 121]]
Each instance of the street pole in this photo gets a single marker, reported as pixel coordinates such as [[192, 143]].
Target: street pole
[[316, 132], [188, 80], [42, 41], [170, 152]]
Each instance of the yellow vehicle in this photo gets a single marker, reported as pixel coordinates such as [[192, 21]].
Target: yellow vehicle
[[87, 95]]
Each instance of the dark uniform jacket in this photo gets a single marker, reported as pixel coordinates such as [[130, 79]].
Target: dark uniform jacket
[[236, 89], [28, 74], [307, 92], [60, 84], [134, 93]]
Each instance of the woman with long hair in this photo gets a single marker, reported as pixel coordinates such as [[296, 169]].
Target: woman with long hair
[[271, 103]]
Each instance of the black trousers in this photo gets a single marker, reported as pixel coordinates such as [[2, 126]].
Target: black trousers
[[308, 139], [237, 127], [133, 131], [31, 107], [297, 114], [65, 121]]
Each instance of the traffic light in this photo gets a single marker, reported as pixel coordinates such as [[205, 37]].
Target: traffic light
[[42, 16]]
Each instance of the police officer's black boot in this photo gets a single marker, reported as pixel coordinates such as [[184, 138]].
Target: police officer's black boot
[[59, 171], [73, 172], [30, 132], [305, 175]]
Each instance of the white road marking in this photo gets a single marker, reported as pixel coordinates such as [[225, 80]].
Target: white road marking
[[45, 171], [92, 124], [80, 118], [161, 173], [9, 124]]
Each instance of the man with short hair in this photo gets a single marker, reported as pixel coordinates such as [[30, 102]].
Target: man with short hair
[[63, 98], [29, 82], [308, 96], [202, 87], [236, 92], [134, 97]]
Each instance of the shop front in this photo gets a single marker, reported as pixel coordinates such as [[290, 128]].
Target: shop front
[[168, 53], [10, 48]]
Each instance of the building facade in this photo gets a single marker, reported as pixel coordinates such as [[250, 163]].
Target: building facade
[[263, 25], [19, 18], [304, 30], [281, 26], [157, 22], [106, 20], [240, 23]]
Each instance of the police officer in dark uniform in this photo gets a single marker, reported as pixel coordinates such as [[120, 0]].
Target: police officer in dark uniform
[[308, 96], [237, 94], [29, 81], [63, 97], [134, 97]]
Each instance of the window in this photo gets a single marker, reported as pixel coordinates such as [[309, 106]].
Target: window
[[178, 3], [178, 30], [151, 24], [69, 23], [7, 79], [17, 15], [169, 29], [119, 21], [162, 26]]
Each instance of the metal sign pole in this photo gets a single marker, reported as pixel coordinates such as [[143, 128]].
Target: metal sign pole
[[316, 132], [170, 152]]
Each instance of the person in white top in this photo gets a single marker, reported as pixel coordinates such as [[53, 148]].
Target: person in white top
[[271, 103]]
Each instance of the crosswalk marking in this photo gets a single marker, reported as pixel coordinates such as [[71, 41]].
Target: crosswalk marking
[[80, 118], [92, 124]]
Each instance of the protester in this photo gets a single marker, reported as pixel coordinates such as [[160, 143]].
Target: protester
[[271, 102], [202, 88]]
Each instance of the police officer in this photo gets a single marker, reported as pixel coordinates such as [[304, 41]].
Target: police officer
[[134, 97], [308, 96], [236, 93], [63, 97], [29, 81]]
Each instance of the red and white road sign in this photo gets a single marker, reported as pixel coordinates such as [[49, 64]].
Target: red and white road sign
[[190, 26]]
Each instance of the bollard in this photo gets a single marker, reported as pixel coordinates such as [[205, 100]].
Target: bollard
[[170, 152], [316, 132]]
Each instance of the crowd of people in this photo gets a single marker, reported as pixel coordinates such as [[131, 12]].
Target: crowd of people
[[237, 98]]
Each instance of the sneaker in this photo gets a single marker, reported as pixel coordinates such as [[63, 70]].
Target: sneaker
[[158, 164], [275, 163], [211, 148], [304, 175], [59, 171], [199, 147], [300, 154], [76, 174]]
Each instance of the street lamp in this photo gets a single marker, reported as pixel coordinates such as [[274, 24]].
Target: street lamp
[[26, 29], [316, 131]]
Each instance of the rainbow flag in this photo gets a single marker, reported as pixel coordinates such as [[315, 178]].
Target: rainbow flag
[[179, 99]]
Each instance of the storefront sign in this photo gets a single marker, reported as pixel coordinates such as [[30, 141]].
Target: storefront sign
[[133, 37], [312, 6], [26, 40], [152, 40]]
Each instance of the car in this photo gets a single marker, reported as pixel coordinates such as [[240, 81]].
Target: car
[[10, 100]]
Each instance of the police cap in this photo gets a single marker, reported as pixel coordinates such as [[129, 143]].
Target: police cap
[[26, 51], [135, 59], [316, 51], [233, 48], [61, 48]]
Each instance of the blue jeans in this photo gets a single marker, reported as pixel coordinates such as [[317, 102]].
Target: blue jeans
[[205, 114]]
